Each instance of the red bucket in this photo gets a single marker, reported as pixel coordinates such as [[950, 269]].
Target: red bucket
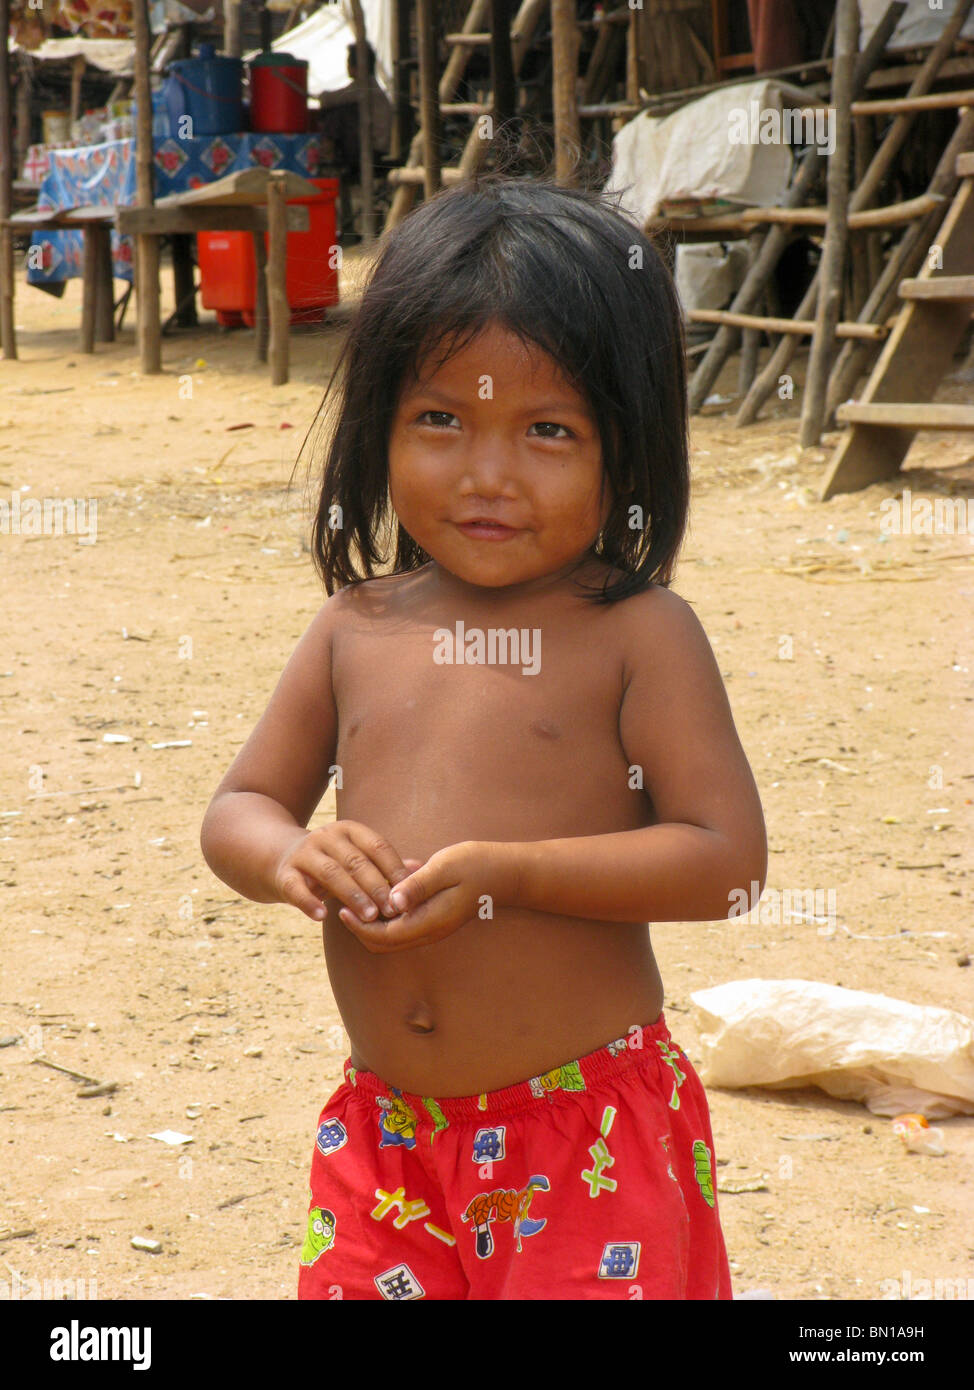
[[279, 93]]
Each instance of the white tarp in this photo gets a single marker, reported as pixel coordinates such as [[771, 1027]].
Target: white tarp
[[323, 39], [697, 151], [922, 23], [110, 55]]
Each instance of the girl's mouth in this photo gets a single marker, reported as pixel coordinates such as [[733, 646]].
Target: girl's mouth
[[486, 530]]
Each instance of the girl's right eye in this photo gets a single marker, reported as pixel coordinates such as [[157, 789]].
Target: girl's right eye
[[441, 414]]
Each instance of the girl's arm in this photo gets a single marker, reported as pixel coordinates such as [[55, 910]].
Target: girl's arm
[[263, 805], [709, 844]]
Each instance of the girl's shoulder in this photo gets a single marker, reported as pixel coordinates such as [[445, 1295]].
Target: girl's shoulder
[[373, 595]]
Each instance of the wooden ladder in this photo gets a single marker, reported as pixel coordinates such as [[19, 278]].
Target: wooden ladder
[[897, 399], [410, 176]]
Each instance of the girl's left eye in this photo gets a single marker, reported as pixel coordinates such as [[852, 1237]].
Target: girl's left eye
[[550, 425], [443, 415]]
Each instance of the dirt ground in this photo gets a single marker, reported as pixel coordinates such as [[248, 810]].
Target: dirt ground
[[847, 660]]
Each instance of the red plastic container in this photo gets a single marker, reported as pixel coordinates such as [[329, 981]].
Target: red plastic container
[[228, 267], [279, 93]]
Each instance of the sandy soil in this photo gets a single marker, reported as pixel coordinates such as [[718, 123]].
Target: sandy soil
[[127, 962]]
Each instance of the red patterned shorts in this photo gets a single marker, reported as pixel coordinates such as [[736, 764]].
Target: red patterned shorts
[[594, 1181]]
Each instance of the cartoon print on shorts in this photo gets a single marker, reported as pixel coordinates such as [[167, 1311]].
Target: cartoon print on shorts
[[488, 1145], [565, 1078], [397, 1285], [505, 1204], [704, 1172], [397, 1123], [439, 1119], [620, 1260], [671, 1055], [332, 1136], [619, 1048], [320, 1235], [601, 1158]]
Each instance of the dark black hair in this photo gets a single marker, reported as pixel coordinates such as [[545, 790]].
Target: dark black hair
[[564, 269]]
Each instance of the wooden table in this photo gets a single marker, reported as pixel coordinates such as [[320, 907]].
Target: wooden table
[[97, 287], [255, 201]]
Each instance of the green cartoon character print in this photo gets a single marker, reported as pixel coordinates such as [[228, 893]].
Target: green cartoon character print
[[320, 1235], [704, 1172], [566, 1078]]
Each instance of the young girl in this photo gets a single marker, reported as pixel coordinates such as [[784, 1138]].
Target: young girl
[[534, 758]]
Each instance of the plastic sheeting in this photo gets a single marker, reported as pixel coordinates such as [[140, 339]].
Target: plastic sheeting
[[892, 1055], [695, 153]]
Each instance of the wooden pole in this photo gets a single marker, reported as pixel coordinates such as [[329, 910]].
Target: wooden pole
[[77, 73], [564, 61], [501, 61], [401, 111], [146, 247], [278, 310], [25, 79], [632, 57], [260, 307], [231, 29], [775, 242], [832, 269], [8, 338], [366, 150], [751, 336], [429, 109]]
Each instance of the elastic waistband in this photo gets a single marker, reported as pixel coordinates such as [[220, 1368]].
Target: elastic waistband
[[646, 1045]]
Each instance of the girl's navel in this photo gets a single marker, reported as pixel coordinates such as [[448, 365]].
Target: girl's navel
[[419, 1018]]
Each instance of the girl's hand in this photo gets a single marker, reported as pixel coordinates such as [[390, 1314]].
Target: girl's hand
[[344, 860], [454, 886]]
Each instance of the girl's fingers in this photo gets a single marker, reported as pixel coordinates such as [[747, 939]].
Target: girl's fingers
[[295, 889], [336, 883], [373, 863], [409, 929]]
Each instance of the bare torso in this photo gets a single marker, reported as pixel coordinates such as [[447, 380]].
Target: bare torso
[[432, 755]]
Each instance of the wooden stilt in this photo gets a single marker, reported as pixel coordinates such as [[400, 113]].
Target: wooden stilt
[[261, 323], [8, 339], [279, 312], [366, 149], [101, 234], [836, 236], [564, 59], [429, 110], [501, 62], [751, 337], [231, 29], [24, 83], [147, 247], [77, 73]]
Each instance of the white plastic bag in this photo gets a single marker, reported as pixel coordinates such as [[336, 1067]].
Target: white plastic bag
[[892, 1055]]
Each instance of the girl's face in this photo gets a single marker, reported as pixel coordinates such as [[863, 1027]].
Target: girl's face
[[498, 435]]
